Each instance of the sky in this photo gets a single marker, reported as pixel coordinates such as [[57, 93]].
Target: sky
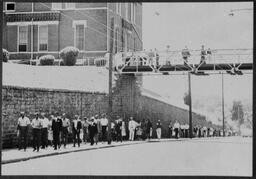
[[196, 24], [193, 25]]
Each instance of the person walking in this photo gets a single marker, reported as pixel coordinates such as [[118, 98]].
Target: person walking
[[50, 134], [148, 129], [56, 128], [118, 129], [170, 129], [131, 126], [176, 129], [138, 131], [45, 124], [65, 129], [186, 130], [22, 127], [96, 130], [85, 129], [92, 130], [76, 127], [158, 129], [36, 125], [104, 124], [123, 130]]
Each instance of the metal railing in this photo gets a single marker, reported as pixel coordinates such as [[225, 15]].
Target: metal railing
[[161, 58]]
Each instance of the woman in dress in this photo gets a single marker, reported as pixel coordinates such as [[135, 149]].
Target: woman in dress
[[123, 130]]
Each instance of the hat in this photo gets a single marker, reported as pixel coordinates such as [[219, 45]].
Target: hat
[[76, 116], [63, 114], [42, 113], [22, 112]]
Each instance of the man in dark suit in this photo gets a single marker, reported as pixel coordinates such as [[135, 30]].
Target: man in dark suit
[[56, 128], [76, 127], [92, 130]]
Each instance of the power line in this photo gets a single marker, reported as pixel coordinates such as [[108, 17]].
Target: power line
[[106, 35], [85, 15]]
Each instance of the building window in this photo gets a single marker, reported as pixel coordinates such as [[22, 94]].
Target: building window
[[56, 6], [133, 11], [23, 38], [79, 36], [43, 38], [116, 40], [118, 8], [10, 6], [70, 5], [126, 10]]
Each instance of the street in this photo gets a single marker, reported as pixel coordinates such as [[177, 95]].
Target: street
[[207, 156]]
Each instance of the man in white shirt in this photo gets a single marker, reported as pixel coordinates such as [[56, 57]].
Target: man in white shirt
[[176, 127], [77, 126], [104, 124], [45, 123], [23, 123], [186, 130], [65, 128], [36, 125], [131, 127]]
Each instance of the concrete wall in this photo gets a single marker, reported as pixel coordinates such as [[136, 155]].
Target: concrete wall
[[16, 99]]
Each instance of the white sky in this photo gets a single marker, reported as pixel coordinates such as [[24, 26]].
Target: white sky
[[194, 24]]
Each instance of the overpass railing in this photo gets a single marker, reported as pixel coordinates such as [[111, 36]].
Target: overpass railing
[[157, 59]]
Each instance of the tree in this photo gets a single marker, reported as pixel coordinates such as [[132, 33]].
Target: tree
[[237, 112]]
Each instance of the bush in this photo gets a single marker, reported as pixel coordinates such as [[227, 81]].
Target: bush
[[5, 55], [69, 55], [47, 60]]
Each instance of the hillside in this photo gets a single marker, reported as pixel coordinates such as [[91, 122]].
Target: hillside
[[84, 78]]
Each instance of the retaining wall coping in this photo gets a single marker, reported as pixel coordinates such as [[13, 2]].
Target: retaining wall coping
[[51, 90]]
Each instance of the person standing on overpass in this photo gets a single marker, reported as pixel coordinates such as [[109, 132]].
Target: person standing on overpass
[[185, 55], [203, 54]]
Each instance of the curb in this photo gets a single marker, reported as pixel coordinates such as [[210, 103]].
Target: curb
[[64, 152]]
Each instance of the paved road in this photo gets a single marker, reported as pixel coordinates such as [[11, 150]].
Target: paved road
[[229, 156]]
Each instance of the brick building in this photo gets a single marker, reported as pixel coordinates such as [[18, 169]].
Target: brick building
[[34, 29]]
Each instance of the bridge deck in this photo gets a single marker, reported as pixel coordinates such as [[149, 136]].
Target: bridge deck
[[179, 68]]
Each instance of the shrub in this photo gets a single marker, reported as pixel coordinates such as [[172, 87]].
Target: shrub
[[5, 55], [46, 60], [69, 55]]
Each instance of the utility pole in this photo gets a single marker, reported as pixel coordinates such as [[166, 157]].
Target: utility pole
[[223, 116], [32, 36], [110, 97], [190, 106]]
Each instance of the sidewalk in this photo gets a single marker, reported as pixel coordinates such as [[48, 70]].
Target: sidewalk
[[15, 155]]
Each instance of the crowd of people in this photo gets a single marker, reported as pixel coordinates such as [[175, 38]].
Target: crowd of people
[[55, 130]]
